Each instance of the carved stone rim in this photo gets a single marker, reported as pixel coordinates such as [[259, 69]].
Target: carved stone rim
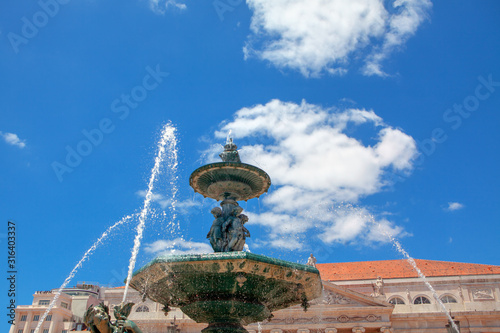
[[228, 255], [255, 180]]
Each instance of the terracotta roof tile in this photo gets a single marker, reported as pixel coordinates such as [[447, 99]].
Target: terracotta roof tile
[[389, 269]]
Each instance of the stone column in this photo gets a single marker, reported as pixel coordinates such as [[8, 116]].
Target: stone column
[[55, 318], [27, 324], [227, 206], [358, 330]]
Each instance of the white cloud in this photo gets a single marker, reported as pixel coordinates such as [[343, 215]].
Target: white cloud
[[13, 139], [348, 225], [177, 246], [383, 229], [314, 165], [452, 206], [316, 36], [161, 6], [401, 26]]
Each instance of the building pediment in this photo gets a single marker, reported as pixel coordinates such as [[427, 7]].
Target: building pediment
[[341, 297], [336, 295], [337, 307]]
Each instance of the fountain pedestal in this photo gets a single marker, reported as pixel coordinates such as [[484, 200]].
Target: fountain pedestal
[[227, 289]]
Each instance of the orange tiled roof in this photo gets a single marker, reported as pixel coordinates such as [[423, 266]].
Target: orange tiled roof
[[389, 269]]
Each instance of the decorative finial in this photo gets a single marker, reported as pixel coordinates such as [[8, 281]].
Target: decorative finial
[[230, 153]]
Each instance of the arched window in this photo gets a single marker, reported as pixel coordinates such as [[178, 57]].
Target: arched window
[[448, 299], [396, 300], [142, 308], [421, 300]]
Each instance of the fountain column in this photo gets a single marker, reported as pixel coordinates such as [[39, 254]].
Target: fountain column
[[227, 206]]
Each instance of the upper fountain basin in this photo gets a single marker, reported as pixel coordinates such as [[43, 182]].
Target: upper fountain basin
[[238, 181]]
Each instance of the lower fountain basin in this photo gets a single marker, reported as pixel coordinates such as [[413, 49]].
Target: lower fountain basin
[[227, 289]]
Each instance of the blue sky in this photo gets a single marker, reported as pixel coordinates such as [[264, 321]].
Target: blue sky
[[387, 109]]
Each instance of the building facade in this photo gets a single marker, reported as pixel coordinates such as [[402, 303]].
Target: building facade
[[66, 314], [358, 297]]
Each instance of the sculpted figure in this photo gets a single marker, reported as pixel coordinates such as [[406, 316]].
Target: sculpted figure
[[235, 233], [311, 261], [215, 234], [240, 244], [98, 320], [378, 287]]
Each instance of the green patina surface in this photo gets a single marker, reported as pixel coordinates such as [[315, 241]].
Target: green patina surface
[[226, 311], [192, 286]]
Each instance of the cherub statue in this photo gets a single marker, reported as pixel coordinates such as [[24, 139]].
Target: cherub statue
[[215, 234], [235, 233], [98, 320], [240, 244]]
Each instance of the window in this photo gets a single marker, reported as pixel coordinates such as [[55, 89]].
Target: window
[[64, 331], [48, 318], [46, 330], [23, 318], [448, 299], [20, 331], [32, 331], [64, 305], [142, 308], [421, 300], [36, 317], [396, 301], [43, 302]]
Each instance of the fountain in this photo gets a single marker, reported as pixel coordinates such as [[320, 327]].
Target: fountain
[[229, 288], [226, 289]]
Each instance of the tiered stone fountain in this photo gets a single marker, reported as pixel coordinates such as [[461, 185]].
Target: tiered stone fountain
[[229, 288]]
